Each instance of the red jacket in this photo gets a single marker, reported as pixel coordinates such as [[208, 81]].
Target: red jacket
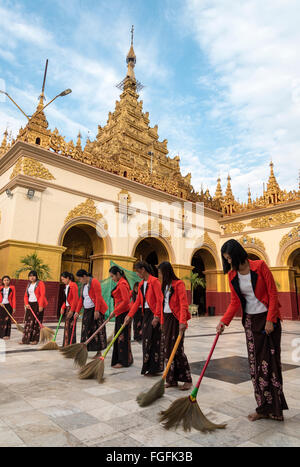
[[72, 297], [40, 293], [178, 302], [95, 294], [264, 289], [154, 297], [11, 296], [121, 296]]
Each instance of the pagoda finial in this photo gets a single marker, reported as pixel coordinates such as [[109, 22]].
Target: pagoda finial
[[218, 193], [131, 58], [249, 196]]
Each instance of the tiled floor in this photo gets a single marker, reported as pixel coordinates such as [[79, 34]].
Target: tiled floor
[[43, 403]]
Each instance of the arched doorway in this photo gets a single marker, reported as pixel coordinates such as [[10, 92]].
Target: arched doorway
[[153, 251], [294, 262], [203, 262], [81, 242]]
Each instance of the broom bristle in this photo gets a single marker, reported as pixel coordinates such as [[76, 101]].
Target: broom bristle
[[187, 412], [70, 351], [20, 328], [52, 345], [154, 393], [88, 370], [100, 371], [81, 356], [46, 334]]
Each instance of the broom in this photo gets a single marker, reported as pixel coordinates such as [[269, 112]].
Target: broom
[[19, 327], [79, 352], [187, 410], [158, 389], [95, 369], [45, 333], [53, 345]]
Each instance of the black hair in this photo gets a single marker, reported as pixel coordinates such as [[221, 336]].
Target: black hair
[[168, 274], [68, 275], [5, 277], [33, 273], [83, 272], [146, 266], [237, 253], [115, 270]]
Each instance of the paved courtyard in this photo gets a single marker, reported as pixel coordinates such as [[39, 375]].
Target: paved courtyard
[[43, 403]]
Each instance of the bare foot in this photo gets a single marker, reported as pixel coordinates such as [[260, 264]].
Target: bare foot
[[186, 386], [33, 343], [6, 338], [253, 417], [98, 354], [168, 385], [21, 343], [118, 365]]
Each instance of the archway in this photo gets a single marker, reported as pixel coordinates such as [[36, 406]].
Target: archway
[[153, 251], [294, 262], [204, 262], [253, 256], [82, 242]]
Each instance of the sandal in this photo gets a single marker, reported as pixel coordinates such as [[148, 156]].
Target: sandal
[[186, 386]]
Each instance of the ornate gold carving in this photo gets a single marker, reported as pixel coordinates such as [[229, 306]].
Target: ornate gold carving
[[207, 240], [233, 228], [32, 168], [246, 240], [273, 220], [294, 234], [86, 209], [153, 226]]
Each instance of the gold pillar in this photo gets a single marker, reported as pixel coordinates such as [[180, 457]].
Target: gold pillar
[[182, 271], [101, 264], [284, 277]]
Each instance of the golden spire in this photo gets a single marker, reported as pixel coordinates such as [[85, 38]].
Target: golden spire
[[131, 59], [78, 144], [218, 193], [273, 192], [249, 196], [4, 146], [229, 201]]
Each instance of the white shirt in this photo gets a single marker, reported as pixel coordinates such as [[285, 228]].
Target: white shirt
[[32, 297], [66, 292], [146, 303], [5, 300], [253, 305], [167, 308], [87, 301]]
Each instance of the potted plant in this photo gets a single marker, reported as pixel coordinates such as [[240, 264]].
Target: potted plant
[[195, 281]]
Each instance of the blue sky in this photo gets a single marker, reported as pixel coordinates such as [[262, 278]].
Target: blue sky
[[222, 77]]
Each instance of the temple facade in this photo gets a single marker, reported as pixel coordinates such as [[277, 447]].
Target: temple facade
[[122, 198]]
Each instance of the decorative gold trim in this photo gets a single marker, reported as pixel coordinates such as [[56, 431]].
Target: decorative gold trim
[[86, 209], [32, 168], [274, 220], [233, 227], [153, 227], [246, 240]]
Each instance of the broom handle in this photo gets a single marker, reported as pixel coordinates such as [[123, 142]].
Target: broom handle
[[96, 332], [11, 317], [60, 318], [40, 324], [74, 325], [172, 356], [113, 340], [196, 388]]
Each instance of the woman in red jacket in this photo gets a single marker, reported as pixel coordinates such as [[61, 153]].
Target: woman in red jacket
[[8, 299], [69, 307], [94, 311], [252, 287], [174, 318], [35, 297], [150, 298], [122, 355]]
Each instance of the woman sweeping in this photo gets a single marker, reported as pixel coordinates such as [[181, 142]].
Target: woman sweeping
[[94, 311], [174, 320], [138, 317], [122, 355], [150, 297], [8, 299], [252, 286], [35, 297], [69, 307]]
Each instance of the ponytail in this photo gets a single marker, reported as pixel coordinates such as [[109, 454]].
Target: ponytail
[[115, 270]]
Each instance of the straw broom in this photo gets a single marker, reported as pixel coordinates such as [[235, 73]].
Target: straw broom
[[158, 389], [19, 327], [95, 369], [79, 352], [45, 333], [186, 409], [52, 345]]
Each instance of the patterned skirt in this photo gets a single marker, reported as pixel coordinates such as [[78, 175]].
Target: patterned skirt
[[5, 321], [122, 347], [69, 323], [137, 325], [153, 354], [32, 327], [265, 365], [180, 369], [89, 326]]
